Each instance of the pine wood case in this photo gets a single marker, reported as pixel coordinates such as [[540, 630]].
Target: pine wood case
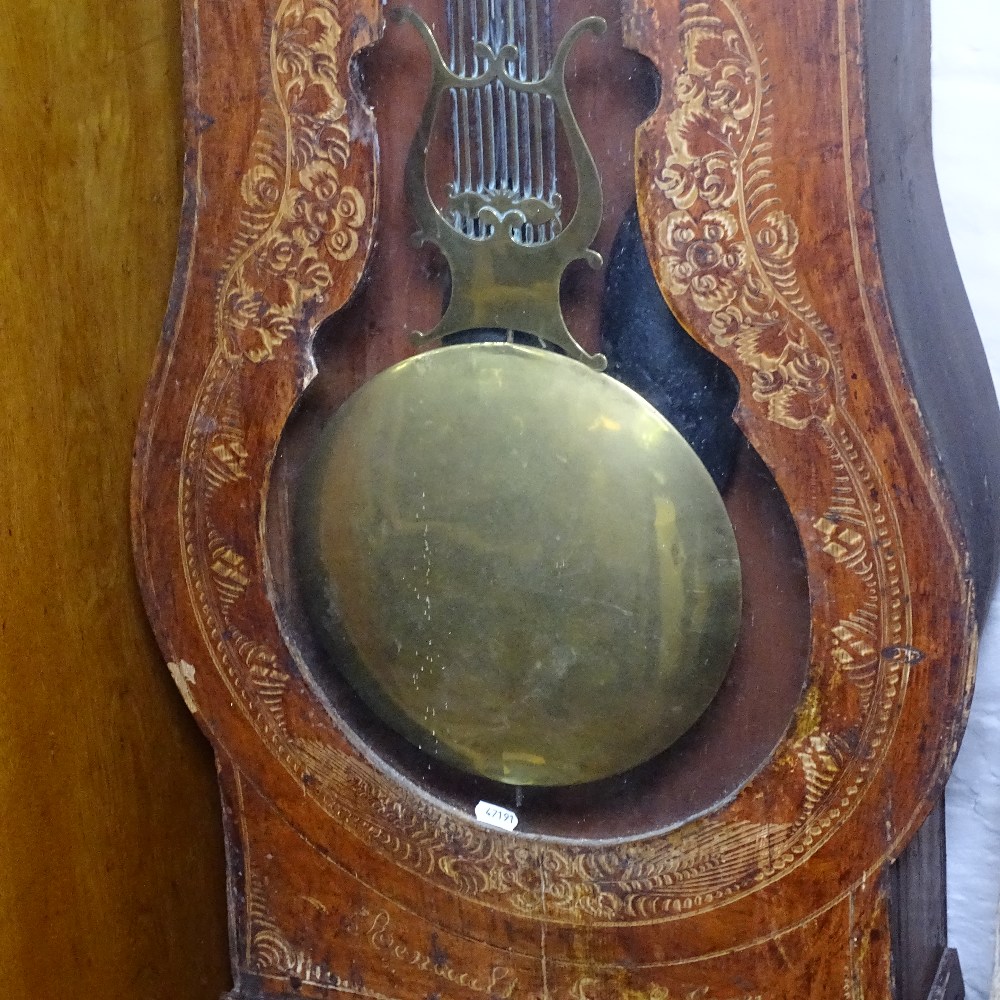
[[832, 295]]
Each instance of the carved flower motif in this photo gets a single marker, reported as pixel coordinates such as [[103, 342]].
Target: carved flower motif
[[320, 214], [314, 276], [807, 372], [797, 388], [305, 234], [351, 207], [299, 219], [276, 329], [727, 324], [689, 88], [534, 880], [334, 140], [745, 321], [349, 216], [308, 37], [261, 187], [801, 370], [718, 90], [278, 255], [712, 178], [342, 244], [777, 239], [703, 257], [731, 89], [244, 305], [726, 83], [320, 179]]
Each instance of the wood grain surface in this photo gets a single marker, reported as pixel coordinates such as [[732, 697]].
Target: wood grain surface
[[111, 868]]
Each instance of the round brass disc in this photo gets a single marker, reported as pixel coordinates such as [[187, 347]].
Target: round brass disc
[[519, 564]]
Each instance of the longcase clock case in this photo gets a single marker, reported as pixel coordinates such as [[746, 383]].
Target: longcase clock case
[[786, 202]]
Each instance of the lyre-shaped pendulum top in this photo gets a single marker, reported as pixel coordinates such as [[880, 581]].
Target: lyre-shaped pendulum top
[[502, 234]]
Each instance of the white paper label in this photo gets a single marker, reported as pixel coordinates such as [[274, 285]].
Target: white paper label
[[496, 816]]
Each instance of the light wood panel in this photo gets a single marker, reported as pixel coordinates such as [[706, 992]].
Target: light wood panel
[[111, 864]]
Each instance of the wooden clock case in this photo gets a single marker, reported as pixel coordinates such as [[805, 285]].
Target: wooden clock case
[[793, 140]]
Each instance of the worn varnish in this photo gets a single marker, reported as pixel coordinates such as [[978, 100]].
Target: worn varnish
[[782, 236], [111, 881]]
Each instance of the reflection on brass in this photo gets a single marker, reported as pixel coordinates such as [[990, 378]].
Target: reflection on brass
[[498, 279], [518, 564]]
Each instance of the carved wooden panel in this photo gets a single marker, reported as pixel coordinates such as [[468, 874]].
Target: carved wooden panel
[[758, 199]]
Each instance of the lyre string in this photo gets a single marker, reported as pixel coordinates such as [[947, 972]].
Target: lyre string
[[503, 141]]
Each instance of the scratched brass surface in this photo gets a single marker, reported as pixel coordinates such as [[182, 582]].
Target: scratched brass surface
[[519, 564], [111, 880]]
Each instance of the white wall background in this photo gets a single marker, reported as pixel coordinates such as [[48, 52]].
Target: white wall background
[[966, 79]]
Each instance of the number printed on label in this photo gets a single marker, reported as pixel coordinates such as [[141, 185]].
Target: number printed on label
[[496, 816]]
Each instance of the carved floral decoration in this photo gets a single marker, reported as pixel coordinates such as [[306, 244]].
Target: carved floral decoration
[[299, 220], [727, 246]]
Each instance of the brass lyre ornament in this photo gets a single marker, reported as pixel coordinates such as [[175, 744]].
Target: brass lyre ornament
[[516, 561], [498, 280]]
